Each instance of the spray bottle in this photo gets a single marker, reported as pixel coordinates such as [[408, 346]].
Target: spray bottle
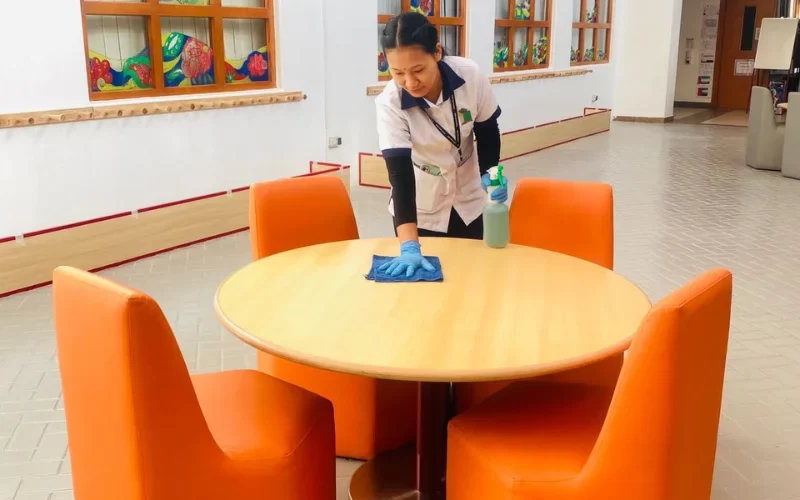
[[495, 214]]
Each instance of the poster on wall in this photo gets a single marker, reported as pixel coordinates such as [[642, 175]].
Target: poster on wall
[[708, 47], [710, 20], [744, 67]]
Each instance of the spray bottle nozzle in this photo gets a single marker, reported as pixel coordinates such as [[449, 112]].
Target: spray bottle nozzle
[[496, 175]]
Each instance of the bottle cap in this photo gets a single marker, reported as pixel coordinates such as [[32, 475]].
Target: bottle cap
[[495, 174]]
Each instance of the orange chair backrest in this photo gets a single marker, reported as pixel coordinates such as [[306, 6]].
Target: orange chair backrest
[[573, 218], [299, 212], [660, 435], [134, 423]]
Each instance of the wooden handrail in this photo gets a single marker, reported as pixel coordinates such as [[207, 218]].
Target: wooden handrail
[[374, 90], [148, 108]]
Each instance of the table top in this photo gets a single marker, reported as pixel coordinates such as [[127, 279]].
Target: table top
[[498, 314]]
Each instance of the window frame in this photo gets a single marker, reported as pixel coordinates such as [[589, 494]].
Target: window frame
[[436, 20], [596, 27], [152, 11], [530, 25]]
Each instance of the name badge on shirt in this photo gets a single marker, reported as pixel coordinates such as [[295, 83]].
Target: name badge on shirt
[[466, 116], [430, 169]]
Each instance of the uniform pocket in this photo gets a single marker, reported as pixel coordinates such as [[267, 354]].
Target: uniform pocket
[[429, 190]]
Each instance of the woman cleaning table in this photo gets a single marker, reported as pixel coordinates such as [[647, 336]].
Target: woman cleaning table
[[427, 116]]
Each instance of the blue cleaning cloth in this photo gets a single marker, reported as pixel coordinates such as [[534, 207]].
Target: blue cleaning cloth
[[419, 275]]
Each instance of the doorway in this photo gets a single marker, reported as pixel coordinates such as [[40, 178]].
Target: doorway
[[740, 24]]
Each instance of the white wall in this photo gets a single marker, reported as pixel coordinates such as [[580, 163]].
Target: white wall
[[60, 174], [647, 60], [350, 66], [691, 27]]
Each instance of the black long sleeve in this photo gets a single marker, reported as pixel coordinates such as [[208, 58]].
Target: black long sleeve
[[404, 189], [487, 135]]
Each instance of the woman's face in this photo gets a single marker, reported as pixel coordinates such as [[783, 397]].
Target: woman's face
[[414, 69]]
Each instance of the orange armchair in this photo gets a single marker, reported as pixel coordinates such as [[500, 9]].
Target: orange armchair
[[141, 428], [573, 218], [371, 415], [653, 438]]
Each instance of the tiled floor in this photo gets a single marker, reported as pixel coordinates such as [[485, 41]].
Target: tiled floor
[[708, 116], [685, 202], [679, 114], [737, 118]]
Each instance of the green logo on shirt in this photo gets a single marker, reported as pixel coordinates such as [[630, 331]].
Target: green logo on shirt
[[466, 116]]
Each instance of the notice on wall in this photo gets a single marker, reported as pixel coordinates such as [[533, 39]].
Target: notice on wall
[[708, 47], [744, 67], [710, 21]]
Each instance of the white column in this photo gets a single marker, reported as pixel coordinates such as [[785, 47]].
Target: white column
[[480, 33], [646, 57]]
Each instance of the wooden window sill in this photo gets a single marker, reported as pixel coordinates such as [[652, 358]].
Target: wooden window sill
[[524, 76], [589, 63], [157, 106], [510, 77]]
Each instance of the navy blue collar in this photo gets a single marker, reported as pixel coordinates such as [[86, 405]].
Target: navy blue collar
[[450, 82]]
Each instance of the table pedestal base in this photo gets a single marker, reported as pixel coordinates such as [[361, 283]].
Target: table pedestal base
[[415, 472], [390, 476]]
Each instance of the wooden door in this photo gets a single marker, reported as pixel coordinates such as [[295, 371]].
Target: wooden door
[[738, 28]]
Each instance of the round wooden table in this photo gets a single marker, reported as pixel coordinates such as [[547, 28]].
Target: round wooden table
[[498, 315]]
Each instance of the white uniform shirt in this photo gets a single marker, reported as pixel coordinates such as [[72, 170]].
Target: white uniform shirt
[[403, 127]]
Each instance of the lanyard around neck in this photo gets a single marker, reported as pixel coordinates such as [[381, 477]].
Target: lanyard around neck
[[455, 141]]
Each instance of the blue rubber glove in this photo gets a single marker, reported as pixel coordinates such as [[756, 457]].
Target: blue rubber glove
[[409, 261], [500, 194]]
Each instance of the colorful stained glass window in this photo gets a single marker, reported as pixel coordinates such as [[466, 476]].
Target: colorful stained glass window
[[187, 52], [522, 29], [501, 55], [246, 55], [522, 10], [591, 31], [202, 50], [521, 47], [119, 54]]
